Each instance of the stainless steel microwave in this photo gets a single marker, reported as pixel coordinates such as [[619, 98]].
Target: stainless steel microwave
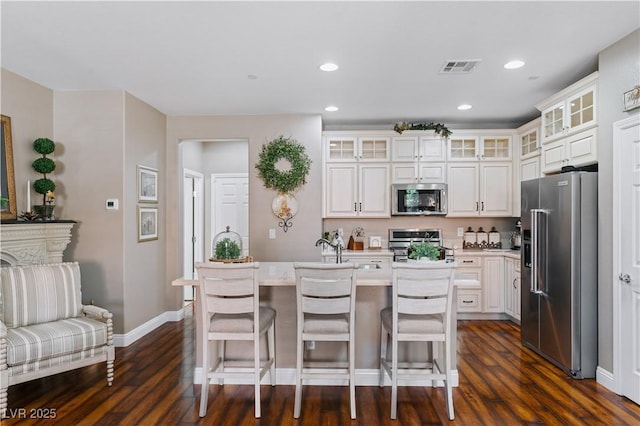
[[419, 199]]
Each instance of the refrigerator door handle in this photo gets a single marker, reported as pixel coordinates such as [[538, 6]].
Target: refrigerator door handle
[[535, 242]]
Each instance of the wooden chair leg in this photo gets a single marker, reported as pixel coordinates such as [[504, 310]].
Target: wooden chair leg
[[298, 396], [221, 349], [271, 345], [256, 373], [352, 378], [383, 353], [204, 392], [394, 377]]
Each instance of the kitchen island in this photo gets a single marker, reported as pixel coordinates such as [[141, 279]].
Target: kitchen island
[[277, 282]]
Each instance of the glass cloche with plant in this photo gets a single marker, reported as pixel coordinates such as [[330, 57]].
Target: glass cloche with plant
[[227, 245]]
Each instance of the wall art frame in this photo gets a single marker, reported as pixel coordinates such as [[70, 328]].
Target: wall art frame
[[147, 223], [631, 99], [8, 205], [147, 184]]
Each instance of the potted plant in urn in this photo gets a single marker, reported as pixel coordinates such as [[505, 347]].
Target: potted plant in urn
[[44, 186]]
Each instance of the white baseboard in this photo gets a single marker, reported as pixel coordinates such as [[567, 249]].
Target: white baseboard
[[287, 376], [123, 340], [606, 379]]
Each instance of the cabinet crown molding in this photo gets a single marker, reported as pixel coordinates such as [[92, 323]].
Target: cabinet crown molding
[[568, 91]]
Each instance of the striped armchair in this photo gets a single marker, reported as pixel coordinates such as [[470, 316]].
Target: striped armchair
[[45, 329]]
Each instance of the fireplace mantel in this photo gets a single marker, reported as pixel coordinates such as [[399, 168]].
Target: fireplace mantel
[[28, 243]]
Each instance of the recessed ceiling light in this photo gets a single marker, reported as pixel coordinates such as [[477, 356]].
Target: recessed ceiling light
[[464, 107], [328, 67], [512, 65], [331, 108]]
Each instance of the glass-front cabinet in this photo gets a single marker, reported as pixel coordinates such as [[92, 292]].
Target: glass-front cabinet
[[350, 148], [475, 148], [570, 111]]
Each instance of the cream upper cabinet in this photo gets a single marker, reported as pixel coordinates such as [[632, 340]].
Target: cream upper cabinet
[[530, 141], [357, 190], [480, 189], [576, 150], [350, 147], [479, 148], [572, 110], [418, 159]]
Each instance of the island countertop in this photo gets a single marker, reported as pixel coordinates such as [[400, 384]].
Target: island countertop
[[281, 274]]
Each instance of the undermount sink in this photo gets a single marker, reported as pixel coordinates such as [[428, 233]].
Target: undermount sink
[[369, 266]]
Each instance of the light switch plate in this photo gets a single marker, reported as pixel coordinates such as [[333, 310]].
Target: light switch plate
[[460, 232], [111, 204], [272, 234]]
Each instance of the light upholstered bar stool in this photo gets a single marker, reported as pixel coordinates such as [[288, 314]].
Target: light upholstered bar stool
[[231, 311], [325, 295], [421, 312]]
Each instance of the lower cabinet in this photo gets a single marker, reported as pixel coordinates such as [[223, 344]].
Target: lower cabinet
[[469, 289], [488, 284], [512, 288], [493, 284]]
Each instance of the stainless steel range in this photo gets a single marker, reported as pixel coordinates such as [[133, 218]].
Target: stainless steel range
[[401, 239]]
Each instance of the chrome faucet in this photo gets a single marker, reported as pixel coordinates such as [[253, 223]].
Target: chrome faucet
[[336, 246]]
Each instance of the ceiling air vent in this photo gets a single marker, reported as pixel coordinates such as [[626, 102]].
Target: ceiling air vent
[[459, 66]]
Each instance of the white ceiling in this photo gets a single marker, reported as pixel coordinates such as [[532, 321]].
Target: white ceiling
[[196, 58]]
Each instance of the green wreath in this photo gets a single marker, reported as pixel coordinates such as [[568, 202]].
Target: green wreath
[[283, 180]]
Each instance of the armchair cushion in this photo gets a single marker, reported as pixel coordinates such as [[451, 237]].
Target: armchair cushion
[[56, 295], [40, 342]]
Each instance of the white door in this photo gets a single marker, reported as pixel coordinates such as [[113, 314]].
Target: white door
[[626, 256], [230, 206], [193, 225]]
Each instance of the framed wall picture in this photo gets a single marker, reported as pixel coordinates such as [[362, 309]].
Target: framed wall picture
[[8, 206], [147, 185], [631, 99], [147, 223]]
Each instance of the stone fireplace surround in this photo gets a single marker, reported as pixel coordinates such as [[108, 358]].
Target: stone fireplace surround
[[29, 243]]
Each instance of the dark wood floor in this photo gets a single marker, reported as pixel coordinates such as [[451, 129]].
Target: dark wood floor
[[501, 383]]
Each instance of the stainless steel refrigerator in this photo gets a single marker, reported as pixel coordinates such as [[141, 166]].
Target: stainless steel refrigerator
[[559, 261]]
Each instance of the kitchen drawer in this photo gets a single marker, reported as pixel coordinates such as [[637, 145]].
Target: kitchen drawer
[[468, 261], [469, 301], [469, 274]]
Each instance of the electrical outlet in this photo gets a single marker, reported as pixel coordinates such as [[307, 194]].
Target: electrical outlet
[[310, 344], [272, 234], [460, 232]]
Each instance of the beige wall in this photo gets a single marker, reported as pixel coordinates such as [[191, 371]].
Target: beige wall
[[30, 107], [90, 127], [619, 68], [145, 285], [100, 137], [297, 243]]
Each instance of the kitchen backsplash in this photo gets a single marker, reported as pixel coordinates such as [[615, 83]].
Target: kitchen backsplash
[[380, 227]]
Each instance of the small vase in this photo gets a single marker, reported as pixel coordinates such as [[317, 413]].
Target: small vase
[[44, 211]]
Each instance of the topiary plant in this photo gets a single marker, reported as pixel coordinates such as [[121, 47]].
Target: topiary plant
[[227, 249], [420, 250], [45, 166]]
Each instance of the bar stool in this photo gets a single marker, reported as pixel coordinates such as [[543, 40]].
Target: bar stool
[[325, 295], [421, 312], [229, 296]]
